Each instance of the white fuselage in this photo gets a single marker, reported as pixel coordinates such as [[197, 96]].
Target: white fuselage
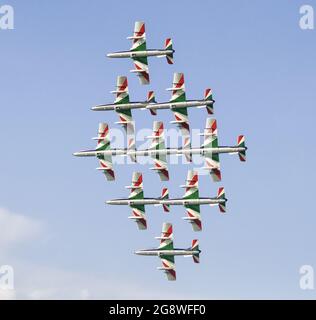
[[167, 151], [140, 54], [155, 106], [157, 201], [174, 252]]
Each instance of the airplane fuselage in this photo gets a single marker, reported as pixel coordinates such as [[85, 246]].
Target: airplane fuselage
[[140, 54], [167, 151], [174, 202], [156, 106], [174, 252]]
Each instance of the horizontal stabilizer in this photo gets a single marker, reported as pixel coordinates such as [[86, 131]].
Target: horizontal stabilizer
[[241, 144], [195, 247], [168, 46]]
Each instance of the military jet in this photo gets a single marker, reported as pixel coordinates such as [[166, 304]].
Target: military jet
[[210, 150], [139, 52], [191, 201], [166, 252], [178, 103]]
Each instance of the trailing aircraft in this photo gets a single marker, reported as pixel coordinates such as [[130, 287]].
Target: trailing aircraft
[[178, 103], [166, 252], [139, 52], [210, 150], [191, 201]]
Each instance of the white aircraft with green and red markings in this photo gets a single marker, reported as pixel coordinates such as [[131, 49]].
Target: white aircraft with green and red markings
[[139, 52], [191, 201], [166, 251], [210, 150], [178, 103]]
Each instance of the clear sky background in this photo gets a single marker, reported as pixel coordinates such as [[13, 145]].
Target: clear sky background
[[56, 232]]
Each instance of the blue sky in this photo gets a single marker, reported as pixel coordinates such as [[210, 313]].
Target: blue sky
[[61, 239]]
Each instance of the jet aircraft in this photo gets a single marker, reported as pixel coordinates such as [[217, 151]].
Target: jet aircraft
[[166, 252], [191, 201], [139, 52]]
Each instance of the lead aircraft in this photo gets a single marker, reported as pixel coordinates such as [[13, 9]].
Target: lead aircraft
[[166, 252], [139, 52], [191, 201]]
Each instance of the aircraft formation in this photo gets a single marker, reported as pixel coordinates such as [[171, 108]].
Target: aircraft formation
[[210, 150]]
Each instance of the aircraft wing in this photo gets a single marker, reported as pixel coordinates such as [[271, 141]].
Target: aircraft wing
[[192, 192], [106, 167], [178, 95], [194, 216], [122, 97], [158, 143], [125, 115], [103, 143], [212, 163], [139, 44], [138, 215], [168, 266], [166, 243], [138, 210], [141, 69]]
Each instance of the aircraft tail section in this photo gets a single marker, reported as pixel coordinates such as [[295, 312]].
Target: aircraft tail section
[[168, 46], [241, 144], [151, 99], [165, 196], [208, 96], [195, 247], [221, 195]]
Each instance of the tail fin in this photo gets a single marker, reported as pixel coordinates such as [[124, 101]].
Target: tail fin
[[168, 46], [165, 196], [241, 144], [195, 247], [208, 96], [151, 99], [221, 195]]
